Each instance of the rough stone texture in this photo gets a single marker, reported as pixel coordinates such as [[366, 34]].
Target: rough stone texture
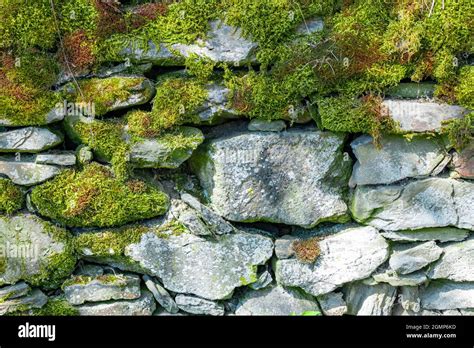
[[63, 158], [266, 126], [363, 299], [161, 295], [457, 262], [441, 234], [196, 305], [433, 202], [14, 291], [332, 304], [102, 288], [408, 301], [444, 295], [391, 277], [29, 139], [407, 259], [35, 299], [264, 279], [295, 177], [30, 246], [24, 171], [463, 162], [412, 90], [143, 306], [283, 247], [216, 108], [420, 115], [397, 159], [353, 254], [276, 300], [208, 268]]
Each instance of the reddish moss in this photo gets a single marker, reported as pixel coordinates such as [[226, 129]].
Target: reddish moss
[[307, 250], [78, 49]]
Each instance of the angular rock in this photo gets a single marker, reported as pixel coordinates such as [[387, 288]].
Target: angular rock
[[363, 299], [276, 300], [394, 279], [196, 305], [161, 295], [407, 259], [143, 306], [444, 295], [24, 171], [353, 254], [190, 218], [35, 299], [295, 177], [64, 158], [216, 108], [463, 162], [441, 234], [29, 139], [420, 115], [80, 289], [283, 247], [266, 126], [412, 90], [264, 279], [35, 251], [397, 159], [332, 304], [14, 291], [408, 301], [433, 202], [457, 262]]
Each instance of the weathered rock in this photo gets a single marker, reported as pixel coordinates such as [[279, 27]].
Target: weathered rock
[[80, 289], [161, 295], [143, 306], [29, 139], [35, 251], [354, 253], [444, 295], [84, 154], [412, 90], [363, 299], [407, 259], [24, 171], [391, 277], [216, 108], [264, 279], [457, 262], [463, 162], [64, 158], [283, 247], [442, 234], [433, 202], [36, 299], [397, 159], [14, 291], [295, 177], [266, 126], [420, 115], [310, 26], [276, 300], [408, 301], [332, 304], [197, 305], [90, 270]]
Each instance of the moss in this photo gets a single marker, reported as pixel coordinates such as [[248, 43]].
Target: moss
[[11, 197], [200, 67], [118, 280], [465, 88], [93, 197], [57, 306], [460, 131], [3, 264], [78, 15], [306, 250]]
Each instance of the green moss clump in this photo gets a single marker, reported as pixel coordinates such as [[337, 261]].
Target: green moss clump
[[79, 15], [11, 197], [57, 306], [93, 197], [460, 131], [465, 88], [200, 67]]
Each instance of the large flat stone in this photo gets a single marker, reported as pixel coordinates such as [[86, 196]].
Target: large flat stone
[[441, 234], [409, 258], [443, 295], [457, 262], [25, 171], [29, 139]]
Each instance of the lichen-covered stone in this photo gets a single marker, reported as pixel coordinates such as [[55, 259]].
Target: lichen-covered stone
[[332, 304], [441, 234], [353, 254], [406, 259], [29, 139], [197, 305], [13, 291], [57, 158], [276, 300], [456, 264], [363, 299], [433, 202], [25, 171], [295, 177], [443, 295], [397, 158], [35, 299]]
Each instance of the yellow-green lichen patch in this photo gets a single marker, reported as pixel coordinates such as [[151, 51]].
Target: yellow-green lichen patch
[[93, 197], [11, 197]]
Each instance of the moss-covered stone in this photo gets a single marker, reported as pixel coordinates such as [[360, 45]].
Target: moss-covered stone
[[94, 197], [11, 197]]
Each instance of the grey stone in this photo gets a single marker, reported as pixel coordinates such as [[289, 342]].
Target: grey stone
[[264, 279], [310, 26], [84, 154], [65, 158], [190, 218], [276, 300], [420, 115], [14, 291], [457, 262], [196, 305], [161, 295], [332, 304], [216, 108], [443, 295], [442, 234], [408, 301], [266, 126], [412, 90], [89, 270], [29, 139], [143, 306], [407, 259], [433, 202], [295, 177], [391, 277], [283, 247], [353, 254], [463, 162], [80, 289], [35, 299], [24, 171], [30, 246], [365, 299], [397, 159]]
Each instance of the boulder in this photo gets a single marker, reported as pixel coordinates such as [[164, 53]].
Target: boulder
[[443, 295], [456, 264], [353, 254], [295, 177], [364, 299], [29, 139], [407, 259], [197, 305]]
